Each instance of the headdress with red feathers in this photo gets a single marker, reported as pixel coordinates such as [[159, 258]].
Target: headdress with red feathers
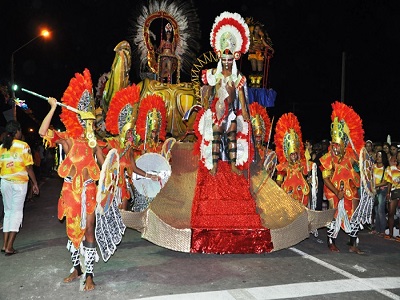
[[260, 121], [230, 33], [78, 95], [152, 115], [288, 137], [346, 127], [122, 112]]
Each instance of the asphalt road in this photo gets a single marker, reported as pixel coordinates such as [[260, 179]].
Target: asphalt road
[[140, 269]]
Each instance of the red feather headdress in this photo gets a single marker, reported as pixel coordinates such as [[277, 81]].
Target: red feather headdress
[[346, 126], [288, 137], [260, 120], [79, 95], [121, 109], [152, 109]]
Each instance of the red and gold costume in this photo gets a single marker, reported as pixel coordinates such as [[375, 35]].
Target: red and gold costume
[[77, 202], [292, 172], [79, 161], [152, 123], [340, 170], [261, 125], [339, 174]]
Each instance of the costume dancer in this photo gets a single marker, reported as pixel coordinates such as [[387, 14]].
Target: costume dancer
[[292, 168], [120, 121], [80, 171], [182, 30], [230, 39], [151, 124], [262, 126], [260, 50], [168, 61], [340, 176]]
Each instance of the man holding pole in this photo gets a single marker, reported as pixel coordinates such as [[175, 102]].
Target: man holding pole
[[80, 171]]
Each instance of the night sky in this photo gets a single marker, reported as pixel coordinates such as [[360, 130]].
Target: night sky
[[309, 39]]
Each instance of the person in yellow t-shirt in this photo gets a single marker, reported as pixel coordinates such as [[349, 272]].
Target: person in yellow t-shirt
[[393, 195], [15, 170]]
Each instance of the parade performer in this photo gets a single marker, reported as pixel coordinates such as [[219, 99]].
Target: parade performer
[[340, 176], [292, 168], [259, 51], [120, 122], [229, 38], [80, 171], [178, 52], [262, 128], [151, 124], [151, 127], [168, 61]]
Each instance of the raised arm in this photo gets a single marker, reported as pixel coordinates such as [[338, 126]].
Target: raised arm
[[46, 121]]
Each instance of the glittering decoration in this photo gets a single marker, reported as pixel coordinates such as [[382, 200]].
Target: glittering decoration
[[223, 205]]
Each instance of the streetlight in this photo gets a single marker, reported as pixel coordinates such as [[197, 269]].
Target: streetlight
[[44, 33]]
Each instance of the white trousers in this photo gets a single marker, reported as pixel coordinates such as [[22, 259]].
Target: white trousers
[[13, 199]]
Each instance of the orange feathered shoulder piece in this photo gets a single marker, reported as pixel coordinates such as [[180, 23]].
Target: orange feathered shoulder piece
[[79, 95], [353, 121], [151, 104], [121, 108], [288, 137]]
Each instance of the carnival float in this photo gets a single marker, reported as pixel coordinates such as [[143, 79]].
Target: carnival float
[[190, 165], [190, 208]]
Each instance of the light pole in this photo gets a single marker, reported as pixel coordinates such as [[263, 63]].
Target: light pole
[[44, 33]]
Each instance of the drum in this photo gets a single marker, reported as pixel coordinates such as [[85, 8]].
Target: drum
[[151, 163]]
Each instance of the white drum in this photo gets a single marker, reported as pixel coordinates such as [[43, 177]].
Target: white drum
[[152, 163]]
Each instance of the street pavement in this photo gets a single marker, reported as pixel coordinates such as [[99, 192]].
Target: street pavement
[[142, 270]]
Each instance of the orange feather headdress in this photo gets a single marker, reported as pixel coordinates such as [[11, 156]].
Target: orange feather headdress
[[78, 95], [346, 126], [122, 111], [260, 121], [152, 116], [288, 137]]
